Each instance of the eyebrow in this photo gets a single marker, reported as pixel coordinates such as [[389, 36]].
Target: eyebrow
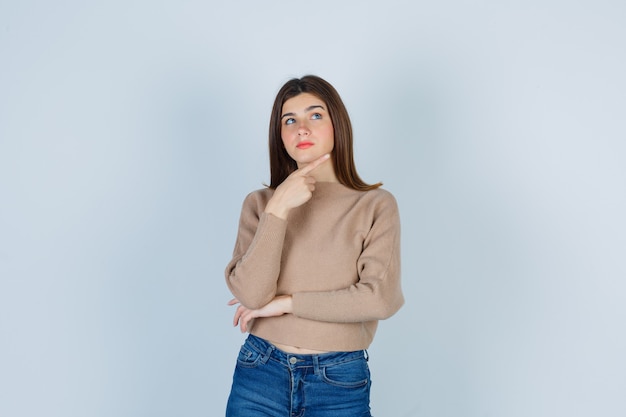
[[308, 109]]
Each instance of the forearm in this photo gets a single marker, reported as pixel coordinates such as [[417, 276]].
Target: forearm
[[252, 274], [280, 305], [358, 303]]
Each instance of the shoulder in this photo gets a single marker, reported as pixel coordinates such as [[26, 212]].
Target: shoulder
[[381, 193], [383, 206], [381, 196], [261, 193], [257, 199]]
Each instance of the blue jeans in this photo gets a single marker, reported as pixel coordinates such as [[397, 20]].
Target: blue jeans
[[273, 383]]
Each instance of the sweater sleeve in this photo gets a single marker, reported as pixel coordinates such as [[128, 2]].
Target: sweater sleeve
[[252, 274], [377, 295]]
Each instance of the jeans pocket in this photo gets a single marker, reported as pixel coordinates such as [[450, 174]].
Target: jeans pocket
[[352, 374], [247, 357]]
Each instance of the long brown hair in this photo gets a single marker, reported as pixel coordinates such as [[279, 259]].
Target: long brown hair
[[281, 164]]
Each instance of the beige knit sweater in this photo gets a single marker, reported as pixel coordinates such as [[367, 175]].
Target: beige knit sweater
[[338, 255]]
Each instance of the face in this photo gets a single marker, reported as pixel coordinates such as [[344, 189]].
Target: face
[[306, 128]]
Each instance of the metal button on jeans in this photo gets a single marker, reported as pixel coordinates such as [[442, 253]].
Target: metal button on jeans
[[293, 360]]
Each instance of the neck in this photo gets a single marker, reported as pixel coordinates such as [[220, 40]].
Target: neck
[[324, 173]]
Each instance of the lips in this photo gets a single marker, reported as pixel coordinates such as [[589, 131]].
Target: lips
[[304, 145]]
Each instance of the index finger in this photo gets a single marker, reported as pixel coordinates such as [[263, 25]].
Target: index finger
[[311, 166]]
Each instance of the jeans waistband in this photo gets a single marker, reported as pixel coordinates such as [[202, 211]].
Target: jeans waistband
[[322, 359]]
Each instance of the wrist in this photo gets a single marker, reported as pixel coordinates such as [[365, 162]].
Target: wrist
[[276, 210]]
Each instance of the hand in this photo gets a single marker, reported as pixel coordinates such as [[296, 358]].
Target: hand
[[295, 190], [277, 307]]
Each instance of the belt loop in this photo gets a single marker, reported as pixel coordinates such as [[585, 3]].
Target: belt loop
[[266, 356], [366, 354], [316, 364]]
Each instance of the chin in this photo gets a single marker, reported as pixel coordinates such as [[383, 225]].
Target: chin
[[307, 160]]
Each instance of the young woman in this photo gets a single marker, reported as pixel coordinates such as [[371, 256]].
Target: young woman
[[316, 265]]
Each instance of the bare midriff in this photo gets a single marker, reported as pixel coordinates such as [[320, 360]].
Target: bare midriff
[[297, 350]]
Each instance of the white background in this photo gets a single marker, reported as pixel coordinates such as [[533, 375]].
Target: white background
[[130, 132]]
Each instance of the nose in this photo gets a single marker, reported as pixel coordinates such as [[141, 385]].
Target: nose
[[303, 129]]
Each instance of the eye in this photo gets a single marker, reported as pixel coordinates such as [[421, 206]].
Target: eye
[[290, 121], [316, 116]]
